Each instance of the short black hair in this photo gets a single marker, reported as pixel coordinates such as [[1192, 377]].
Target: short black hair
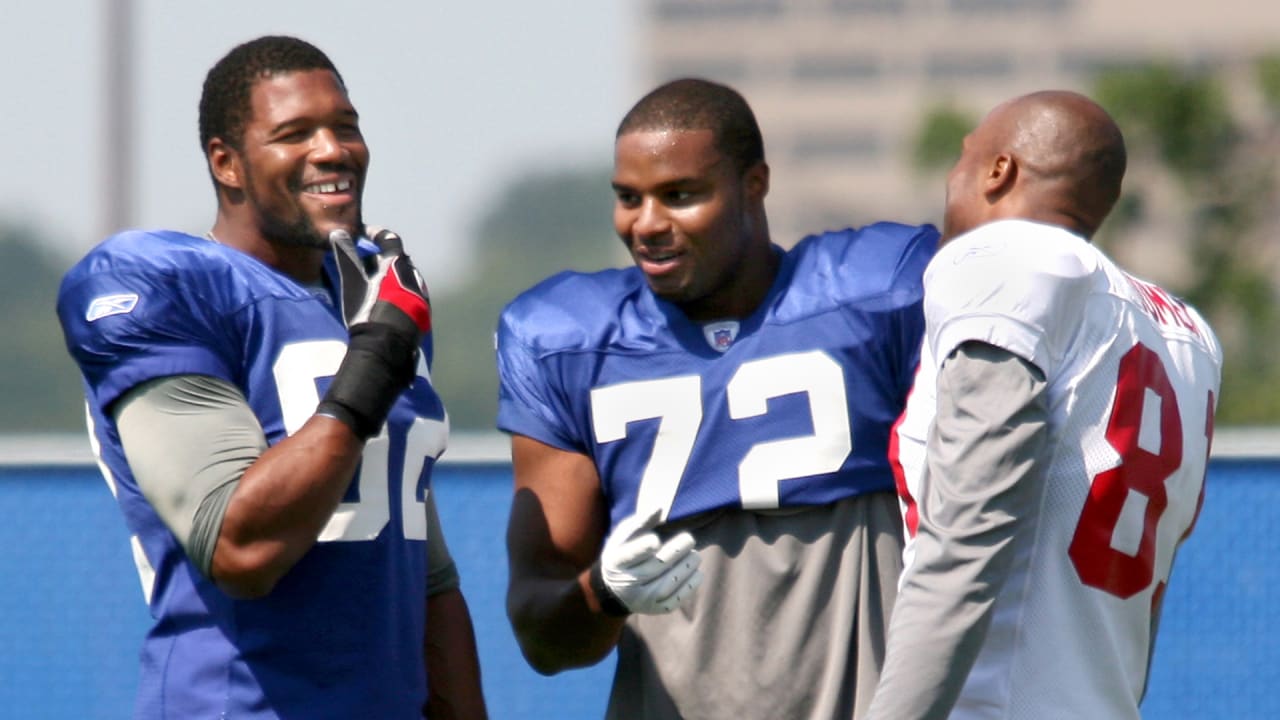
[[698, 104], [224, 100]]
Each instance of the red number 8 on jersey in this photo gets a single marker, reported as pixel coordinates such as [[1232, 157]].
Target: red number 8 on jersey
[[1098, 563]]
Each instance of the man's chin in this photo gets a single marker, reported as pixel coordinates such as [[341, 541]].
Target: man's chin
[[324, 231], [316, 235], [305, 240], [308, 237], [672, 293]]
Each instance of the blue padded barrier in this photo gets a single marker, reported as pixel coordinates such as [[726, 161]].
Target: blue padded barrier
[[72, 615]]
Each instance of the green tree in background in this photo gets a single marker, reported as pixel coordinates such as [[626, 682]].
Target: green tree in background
[[40, 387], [1224, 169], [937, 143], [1180, 122], [540, 224]]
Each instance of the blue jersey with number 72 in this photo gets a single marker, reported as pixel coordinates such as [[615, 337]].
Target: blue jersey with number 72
[[789, 406]]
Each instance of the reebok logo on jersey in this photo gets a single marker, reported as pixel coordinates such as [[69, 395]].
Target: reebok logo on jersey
[[979, 251], [108, 305]]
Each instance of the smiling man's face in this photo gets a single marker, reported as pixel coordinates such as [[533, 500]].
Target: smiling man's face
[[304, 158], [683, 209]]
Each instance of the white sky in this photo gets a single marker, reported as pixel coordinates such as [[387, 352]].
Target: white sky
[[455, 99]]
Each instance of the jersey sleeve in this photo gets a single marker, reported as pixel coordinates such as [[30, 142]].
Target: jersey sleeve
[[876, 272], [528, 404], [985, 486], [125, 327], [909, 281], [1015, 285]]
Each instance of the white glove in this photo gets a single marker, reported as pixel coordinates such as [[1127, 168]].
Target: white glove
[[639, 573]]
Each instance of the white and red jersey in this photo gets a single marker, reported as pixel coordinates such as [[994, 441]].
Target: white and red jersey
[[1133, 374]]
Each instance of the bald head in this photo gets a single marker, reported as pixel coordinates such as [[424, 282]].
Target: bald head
[[1051, 156]]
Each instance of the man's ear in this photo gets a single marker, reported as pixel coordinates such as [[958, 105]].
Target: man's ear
[[756, 181], [1001, 175], [225, 164]]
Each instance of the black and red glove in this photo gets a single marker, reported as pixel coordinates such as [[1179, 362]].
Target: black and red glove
[[387, 311]]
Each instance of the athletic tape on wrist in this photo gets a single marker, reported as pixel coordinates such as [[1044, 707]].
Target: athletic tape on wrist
[[378, 366], [609, 601]]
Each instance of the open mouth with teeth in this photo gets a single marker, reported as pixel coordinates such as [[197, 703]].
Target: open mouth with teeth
[[340, 186], [656, 263]]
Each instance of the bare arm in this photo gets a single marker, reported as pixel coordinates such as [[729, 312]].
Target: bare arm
[[274, 501], [282, 502], [557, 527], [453, 667]]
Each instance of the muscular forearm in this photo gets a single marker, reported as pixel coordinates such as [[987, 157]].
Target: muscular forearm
[[453, 668], [560, 624], [557, 527], [245, 513], [281, 504]]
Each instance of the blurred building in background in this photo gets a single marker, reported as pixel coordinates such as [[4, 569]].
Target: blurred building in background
[[841, 87]]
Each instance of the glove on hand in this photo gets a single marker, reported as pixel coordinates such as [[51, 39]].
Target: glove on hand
[[375, 286], [639, 573], [385, 306]]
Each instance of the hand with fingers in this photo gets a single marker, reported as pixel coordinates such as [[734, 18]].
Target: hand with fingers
[[638, 572], [386, 309], [375, 286]]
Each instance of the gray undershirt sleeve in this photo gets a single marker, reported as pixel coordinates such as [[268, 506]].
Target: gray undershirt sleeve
[[983, 490], [442, 573], [188, 440]]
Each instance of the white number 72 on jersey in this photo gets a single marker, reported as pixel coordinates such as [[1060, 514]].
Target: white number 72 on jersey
[[677, 403]]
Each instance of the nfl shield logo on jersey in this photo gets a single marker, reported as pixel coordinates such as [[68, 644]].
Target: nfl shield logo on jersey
[[720, 335]]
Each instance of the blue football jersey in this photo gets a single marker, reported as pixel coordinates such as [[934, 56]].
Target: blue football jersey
[[789, 406], [341, 634]]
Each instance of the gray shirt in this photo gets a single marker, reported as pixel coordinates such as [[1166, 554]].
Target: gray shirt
[[980, 499], [789, 621]]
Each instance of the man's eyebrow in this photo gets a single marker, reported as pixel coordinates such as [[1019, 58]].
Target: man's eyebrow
[[303, 120], [673, 182], [287, 125]]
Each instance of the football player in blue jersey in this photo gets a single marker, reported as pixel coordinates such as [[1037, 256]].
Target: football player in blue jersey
[[700, 441], [260, 404]]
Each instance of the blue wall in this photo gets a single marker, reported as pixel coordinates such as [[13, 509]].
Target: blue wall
[[71, 613]]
